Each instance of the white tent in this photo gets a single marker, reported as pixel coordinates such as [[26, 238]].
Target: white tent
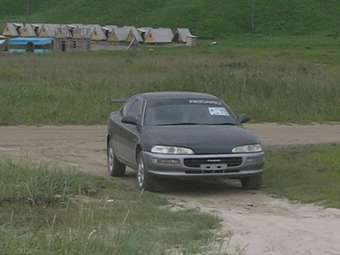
[[143, 31], [27, 30], [182, 34], [123, 34], [36, 27], [12, 29], [48, 30], [96, 33], [80, 31], [134, 35], [63, 31], [159, 35]]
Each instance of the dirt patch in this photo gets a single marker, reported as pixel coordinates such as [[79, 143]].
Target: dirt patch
[[76, 146], [260, 224]]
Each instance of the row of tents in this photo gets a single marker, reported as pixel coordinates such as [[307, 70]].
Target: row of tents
[[111, 33]]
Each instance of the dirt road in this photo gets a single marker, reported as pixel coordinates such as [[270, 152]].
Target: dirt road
[[261, 224]]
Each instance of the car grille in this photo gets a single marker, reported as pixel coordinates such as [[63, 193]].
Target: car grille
[[197, 162], [196, 172]]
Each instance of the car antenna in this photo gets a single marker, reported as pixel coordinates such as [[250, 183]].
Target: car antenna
[[117, 101]]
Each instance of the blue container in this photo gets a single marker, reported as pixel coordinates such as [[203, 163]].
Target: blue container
[[34, 45]]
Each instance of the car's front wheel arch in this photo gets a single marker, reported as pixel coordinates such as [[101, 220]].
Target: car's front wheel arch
[[108, 138], [137, 152], [115, 167], [147, 181]]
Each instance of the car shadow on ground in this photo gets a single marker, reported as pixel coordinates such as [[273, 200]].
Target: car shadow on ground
[[199, 186], [193, 187]]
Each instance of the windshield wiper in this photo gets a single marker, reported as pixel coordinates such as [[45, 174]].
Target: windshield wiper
[[194, 123], [179, 124], [222, 124]]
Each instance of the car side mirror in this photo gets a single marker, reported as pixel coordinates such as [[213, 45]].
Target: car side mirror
[[243, 119], [130, 120]]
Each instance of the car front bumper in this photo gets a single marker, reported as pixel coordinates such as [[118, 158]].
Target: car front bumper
[[224, 165]]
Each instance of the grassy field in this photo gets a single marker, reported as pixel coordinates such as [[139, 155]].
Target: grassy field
[[44, 210], [218, 18], [285, 79], [307, 174]]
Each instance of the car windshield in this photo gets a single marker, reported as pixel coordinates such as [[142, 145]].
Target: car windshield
[[188, 112]]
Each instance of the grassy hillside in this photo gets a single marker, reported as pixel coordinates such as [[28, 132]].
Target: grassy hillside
[[216, 18]]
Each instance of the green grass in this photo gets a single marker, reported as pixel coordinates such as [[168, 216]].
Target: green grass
[[45, 210], [308, 174], [254, 75], [218, 18], [317, 49]]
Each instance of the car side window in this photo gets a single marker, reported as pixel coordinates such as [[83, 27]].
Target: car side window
[[133, 108], [126, 107]]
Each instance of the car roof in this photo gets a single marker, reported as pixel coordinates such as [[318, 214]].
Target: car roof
[[175, 95]]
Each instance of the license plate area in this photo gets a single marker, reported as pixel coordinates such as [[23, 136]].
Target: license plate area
[[214, 167]]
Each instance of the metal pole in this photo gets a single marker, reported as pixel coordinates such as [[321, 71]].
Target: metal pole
[[28, 9], [252, 16]]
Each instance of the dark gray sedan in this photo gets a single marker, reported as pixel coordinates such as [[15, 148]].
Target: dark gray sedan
[[182, 134]]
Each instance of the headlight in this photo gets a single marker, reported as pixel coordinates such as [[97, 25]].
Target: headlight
[[171, 150], [248, 148]]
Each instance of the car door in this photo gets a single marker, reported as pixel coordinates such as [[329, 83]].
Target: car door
[[130, 134]]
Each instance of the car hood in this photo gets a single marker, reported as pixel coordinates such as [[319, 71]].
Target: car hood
[[202, 139]]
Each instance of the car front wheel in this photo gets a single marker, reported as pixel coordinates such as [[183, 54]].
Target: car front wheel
[[252, 182], [114, 166], [145, 180]]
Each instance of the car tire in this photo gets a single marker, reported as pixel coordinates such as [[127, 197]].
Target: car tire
[[145, 180], [252, 182], [114, 166]]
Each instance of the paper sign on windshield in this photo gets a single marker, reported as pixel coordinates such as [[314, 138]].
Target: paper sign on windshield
[[218, 111]]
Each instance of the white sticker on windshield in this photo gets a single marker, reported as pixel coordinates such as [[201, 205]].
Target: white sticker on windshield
[[218, 111]]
